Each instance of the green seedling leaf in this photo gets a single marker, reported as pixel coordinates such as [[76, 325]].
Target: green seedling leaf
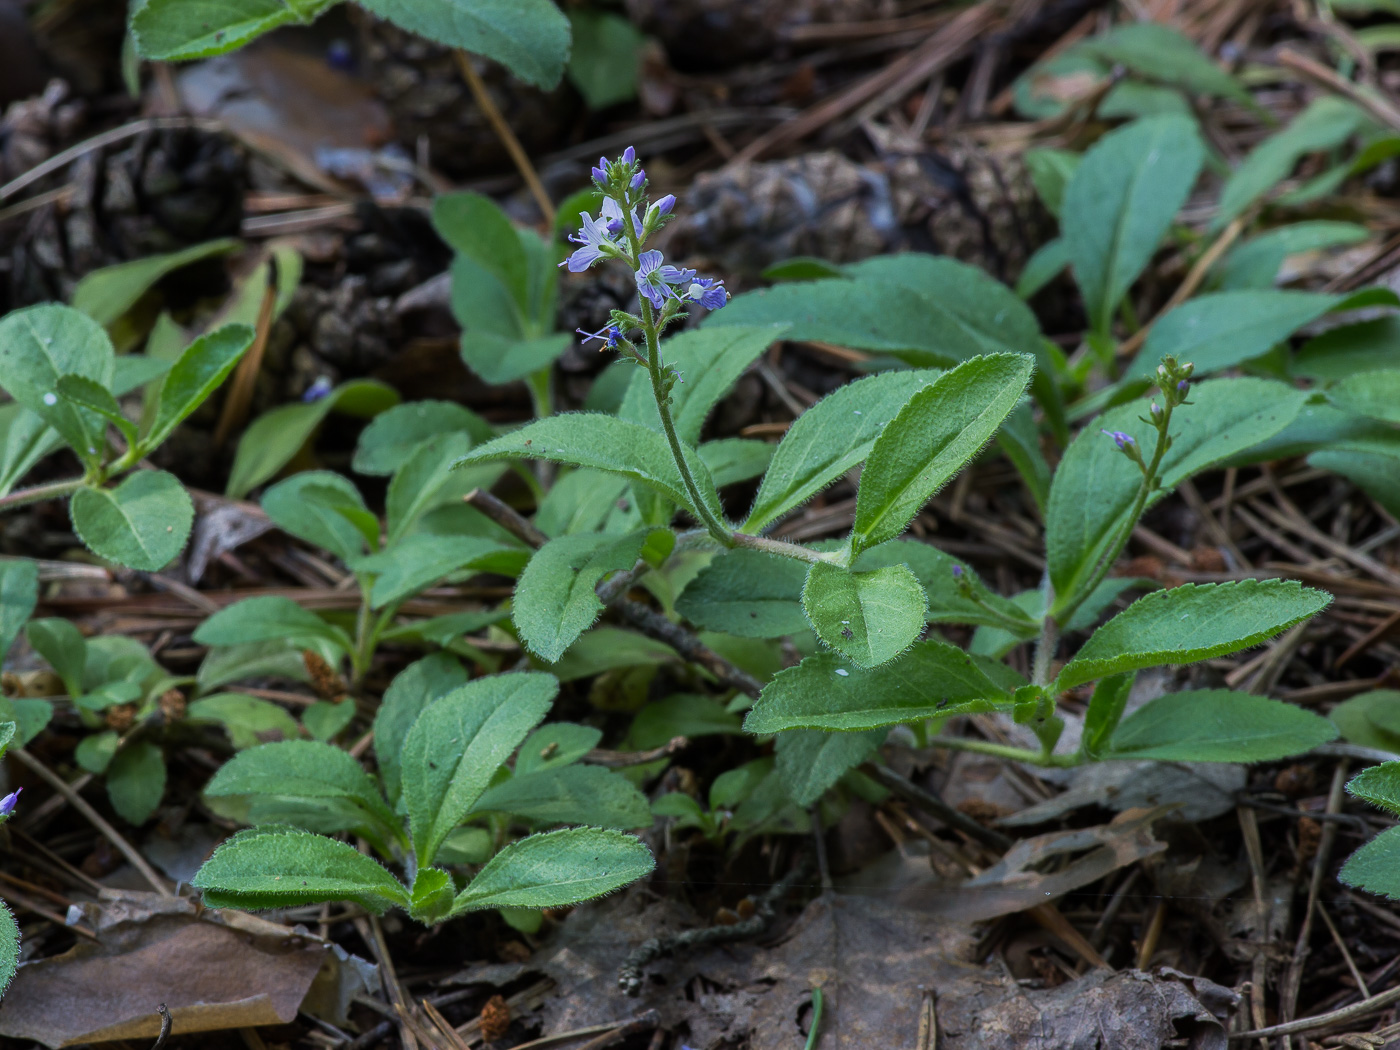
[[143, 523], [555, 745], [831, 437], [1379, 785], [709, 361], [1105, 712], [248, 720], [395, 434], [423, 559], [41, 344], [178, 30], [454, 748], [1349, 349], [937, 431], [1371, 394], [106, 294], [198, 372], [273, 439], [1095, 485], [869, 617], [282, 867], [569, 795], [476, 227], [555, 600], [690, 716], [606, 55], [556, 869], [811, 761], [136, 781], [1050, 171], [1326, 124], [324, 509], [19, 593], [1371, 719], [1120, 202], [747, 593], [1375, 867], [732, 460], [1217, 725], [326, 718], [60, 643], [931, 680], [268, 617], [30, 715], [90, 397], [587, 439], [1192, 622], [528, 37], [306, 774], [7, 735], [1159, 52], [431, 896], [413, 689], [276, 658], [1049, 261]]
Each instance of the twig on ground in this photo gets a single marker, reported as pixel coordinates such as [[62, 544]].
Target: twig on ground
[[936, 807], [630, 978], [165, 1023], [501, 127]]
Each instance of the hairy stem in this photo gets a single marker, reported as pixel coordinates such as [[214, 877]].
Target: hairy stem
[[784, 549], [1015, 754], [39, 493]]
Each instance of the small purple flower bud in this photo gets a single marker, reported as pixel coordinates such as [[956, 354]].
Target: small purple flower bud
[[957, 572], [8, 803], [1122, 440], [638, 179], [1156, 412], [599, 175], [629, 156], [665, 204], [1182, 386], [318, 389]]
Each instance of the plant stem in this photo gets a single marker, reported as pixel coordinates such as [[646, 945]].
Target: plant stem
[[815, 1031], [784, 549], [365, 638], [718, 529], [1045, 648], [1015, 754], [53, 490]]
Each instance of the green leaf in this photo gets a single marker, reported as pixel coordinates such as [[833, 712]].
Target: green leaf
[[476, 227], [810, 760], [1217, 725], [1255, 263], [413, 689], [94, 753], [273, 439], [40, 344], [268, 617], [690, 716], [931, 680], [1375, 867], [801, 268], [588, 439], [282, 867], [732, 460], [948, 600], [579, 501], [870, 617], [324, 509], [556, 869], [709, 361], [554, 745], [19, 593], [528, 37], [1095, 485], [90, 396], [326, 718], [248, 720], [555, 600], [143, 523], [136, 781], [60, 643], [422, 559], [1349, 349], [606, 55], [7, 735], [1159, 52], [198, 372], [1326, 124], [431, 896], [30, 716], [830, 438], [106, 294], [747, 593], [454, 748], [176, 30], [1050, 171], [1120, 202], [393, 435], [25, 439], [569, 795], [937, 431], [9, 947], [1219, 331], [302, 772], [1105, 712], [417, 484], [1182, 625], [499, 359], [1379, 785], [1370, 394], [1371, 719]]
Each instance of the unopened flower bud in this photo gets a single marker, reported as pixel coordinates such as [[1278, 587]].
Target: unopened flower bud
[[8, 803], [629, 156], [637, 179], [1156, 412], [665, 204], [1182, 387], [1122, 440]]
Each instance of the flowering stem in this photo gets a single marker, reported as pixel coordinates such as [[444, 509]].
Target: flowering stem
[[720, 531]]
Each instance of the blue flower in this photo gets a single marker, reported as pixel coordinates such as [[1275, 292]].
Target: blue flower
[[629, 156], [657, 282], [612, 211], [610, 336], [8, 803], [665, 204], [600, 173], [637, 179], [592, 236], [708, 292]]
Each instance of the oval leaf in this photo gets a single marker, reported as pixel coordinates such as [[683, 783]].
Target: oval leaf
[[871, 616], [1218, 725], [556, 869], [143, 523]]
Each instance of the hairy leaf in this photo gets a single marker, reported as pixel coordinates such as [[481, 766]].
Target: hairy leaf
[[324, 509], [40, 344], [176, 30], [870, 617], [949, 601], [9, 947], [106, 294], [198, 372], [393, 435], [268, 617], [19, 593], [1379, 785], [1375, 395], [556, 869], [143, 523], [248, 720], [422, 559], [1162, 53], [454, 748], [569, 795], [413, 689], [747, 593], [811, 760], [60, 643], [1182, 625], [555, 600], [554, 745], [1375, 867], [1217, 725], [136, 781]]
